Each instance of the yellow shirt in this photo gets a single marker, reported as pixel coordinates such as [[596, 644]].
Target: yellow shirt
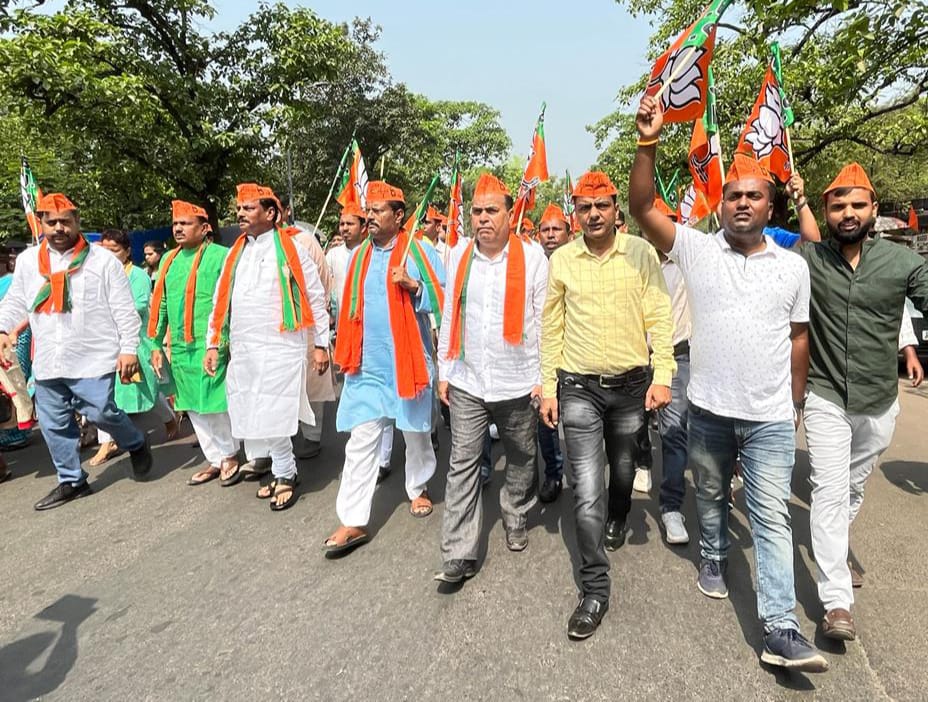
[[599, 311]]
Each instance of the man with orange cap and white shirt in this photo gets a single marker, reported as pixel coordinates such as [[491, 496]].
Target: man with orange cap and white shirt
[[270, 296], [749, 304], [86, 332], [605, 296], [553, 233], [859, 285], [384, 347], [180, 308], [489, 361]]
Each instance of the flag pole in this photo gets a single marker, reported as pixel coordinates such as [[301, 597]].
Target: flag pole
[[418, 214], [676, 72], [338, 173]]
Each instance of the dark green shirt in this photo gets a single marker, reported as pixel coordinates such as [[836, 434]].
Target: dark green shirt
[[854, 320]]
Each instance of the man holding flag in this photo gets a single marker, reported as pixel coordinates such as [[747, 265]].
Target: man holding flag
[[384, 347], [86, 331]]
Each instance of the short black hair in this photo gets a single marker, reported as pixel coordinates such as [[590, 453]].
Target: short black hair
[[271, 203], [120, 237], [156, 244], [841, 192], [619, 215], [396, 205]]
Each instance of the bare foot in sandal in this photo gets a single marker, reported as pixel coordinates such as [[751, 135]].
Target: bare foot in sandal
[[421, 506], [107, 450], [171, 429], [204, 476], [229, 467], [344, 539]]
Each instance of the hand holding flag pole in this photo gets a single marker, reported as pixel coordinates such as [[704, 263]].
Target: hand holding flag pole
[[338, 174]]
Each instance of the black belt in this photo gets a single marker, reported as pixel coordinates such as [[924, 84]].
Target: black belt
[[681, 348], [608, 381]]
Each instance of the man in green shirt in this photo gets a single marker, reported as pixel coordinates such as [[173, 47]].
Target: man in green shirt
[[181, 304], [859, 285]]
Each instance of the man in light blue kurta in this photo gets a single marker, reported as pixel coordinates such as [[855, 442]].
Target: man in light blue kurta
[[370, 399]]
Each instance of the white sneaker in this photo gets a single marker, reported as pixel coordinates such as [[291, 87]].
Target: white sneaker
[[494, 432], [642, 480], [674, 531]]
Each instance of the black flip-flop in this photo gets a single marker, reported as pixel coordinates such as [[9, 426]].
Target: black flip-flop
[[210, 479], [294, 496], [336, 550], [233, 479]]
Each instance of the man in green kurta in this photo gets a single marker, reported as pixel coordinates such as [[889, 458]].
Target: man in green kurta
[[181, 306]]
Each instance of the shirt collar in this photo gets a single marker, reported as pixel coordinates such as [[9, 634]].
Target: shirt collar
[[502, 255], [771, 248], [619, 245]]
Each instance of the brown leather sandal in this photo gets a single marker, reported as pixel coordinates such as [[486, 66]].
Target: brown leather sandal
[[421, 507]]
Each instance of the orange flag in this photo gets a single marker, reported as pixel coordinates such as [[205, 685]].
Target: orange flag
[[764, 136], [913, 219], [535, 172], [693, 207], [705, 163]]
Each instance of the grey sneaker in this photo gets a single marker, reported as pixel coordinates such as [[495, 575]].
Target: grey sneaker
[[674, 531], [457, 570], [711, 580], [788, 648]]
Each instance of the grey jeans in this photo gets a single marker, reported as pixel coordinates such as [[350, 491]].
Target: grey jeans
[[470, 417]]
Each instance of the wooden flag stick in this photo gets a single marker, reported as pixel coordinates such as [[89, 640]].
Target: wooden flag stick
[[521, 214], [338, 173], [676, 72]]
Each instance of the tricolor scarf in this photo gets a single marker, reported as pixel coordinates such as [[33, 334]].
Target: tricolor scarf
[[412, 375], [190, 292], [55, 293], [295, 312], [513, 304]]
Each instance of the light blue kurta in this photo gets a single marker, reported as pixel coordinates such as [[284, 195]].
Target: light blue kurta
[[371, 392]]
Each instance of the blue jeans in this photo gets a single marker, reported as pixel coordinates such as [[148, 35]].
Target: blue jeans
[[551, 452], [593, 415], [57, 400], [672, 421], [768, 451]]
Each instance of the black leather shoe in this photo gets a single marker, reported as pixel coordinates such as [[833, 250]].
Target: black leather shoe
[[65, 492], [616, 532], [456, 570], [141, 460], [586, 618], [516, 539], [549, 490]]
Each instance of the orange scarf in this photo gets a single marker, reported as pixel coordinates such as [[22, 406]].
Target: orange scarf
[[412, 375], [190, 292], [296, 312], [513, 304], [55, 293]]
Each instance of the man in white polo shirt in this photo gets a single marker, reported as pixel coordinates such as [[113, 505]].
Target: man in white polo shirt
[[749, 301]]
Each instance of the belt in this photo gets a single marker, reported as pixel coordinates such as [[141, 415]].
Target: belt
[[681, 348], [608, 381]]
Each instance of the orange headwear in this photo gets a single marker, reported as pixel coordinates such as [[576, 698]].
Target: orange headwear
[[553, 212], [432, 214], [382, 191], [744, 166], [248, 192], [54, 202], [664, 208], [179, 209], [442, 219], [354, 209], [851, 176], [527, 225], [594, 184], [489, 184]]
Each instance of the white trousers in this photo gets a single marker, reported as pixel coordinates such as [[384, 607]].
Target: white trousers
[[161, 409], [359, 476], [843, 449], [386, 445], [214, 432], [280, 451]]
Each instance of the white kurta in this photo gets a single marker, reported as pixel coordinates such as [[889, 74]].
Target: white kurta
[[266, 379]]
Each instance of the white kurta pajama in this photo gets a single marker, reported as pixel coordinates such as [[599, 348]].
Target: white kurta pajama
[[266, 378]]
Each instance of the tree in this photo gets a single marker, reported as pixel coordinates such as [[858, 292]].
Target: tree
[[856, 73]]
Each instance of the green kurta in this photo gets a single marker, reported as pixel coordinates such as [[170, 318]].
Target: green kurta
[[141, 396], [196, 391]]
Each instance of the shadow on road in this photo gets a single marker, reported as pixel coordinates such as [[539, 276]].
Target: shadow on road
[[911, 476], [22, 680]]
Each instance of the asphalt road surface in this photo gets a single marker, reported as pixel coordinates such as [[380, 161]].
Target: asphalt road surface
[[159, 591]]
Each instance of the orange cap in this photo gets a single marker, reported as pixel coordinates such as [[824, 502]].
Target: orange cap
[[442, 218], [489, 184], [431, 214], [851, 176], [249, 192], [179, 208], [664, 208], [594, 184], [382, 191], [354, 209], [553, 212], [527, 225], [54, 202], [744, 166]]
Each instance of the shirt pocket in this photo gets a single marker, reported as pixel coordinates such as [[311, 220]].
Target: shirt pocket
[[89, 287]]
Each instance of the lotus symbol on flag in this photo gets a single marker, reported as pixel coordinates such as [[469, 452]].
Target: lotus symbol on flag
[[765, 132], [699, 166], [686, 205], [685, 86]]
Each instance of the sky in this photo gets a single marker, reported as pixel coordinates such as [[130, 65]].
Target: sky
[[574, 55]]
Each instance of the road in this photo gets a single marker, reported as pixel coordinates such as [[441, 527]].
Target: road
[[159, 591]]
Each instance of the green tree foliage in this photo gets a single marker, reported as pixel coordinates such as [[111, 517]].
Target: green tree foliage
[[856, 74]]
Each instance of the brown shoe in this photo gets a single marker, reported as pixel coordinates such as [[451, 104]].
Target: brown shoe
[[838, 624], [857, 578]]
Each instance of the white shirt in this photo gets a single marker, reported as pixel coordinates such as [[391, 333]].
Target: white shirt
[[679, 302], [741, 309], [102, 323], [338, 258], [492, 368]]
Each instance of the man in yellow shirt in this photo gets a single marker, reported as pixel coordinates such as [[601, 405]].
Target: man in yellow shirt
[[606, 293]]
